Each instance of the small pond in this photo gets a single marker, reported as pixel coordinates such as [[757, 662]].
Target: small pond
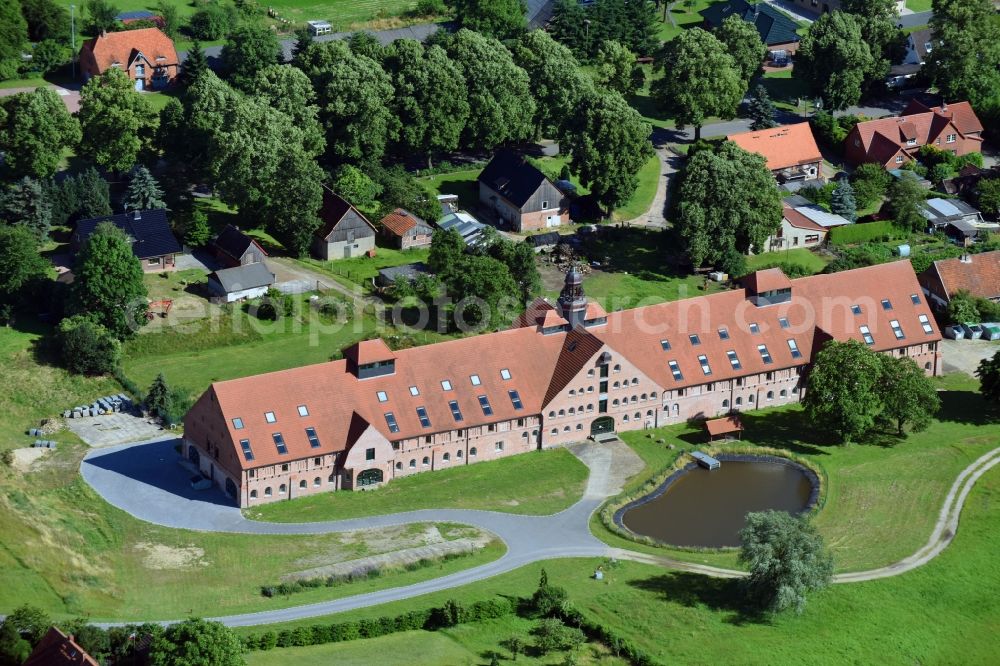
[[701, 508]]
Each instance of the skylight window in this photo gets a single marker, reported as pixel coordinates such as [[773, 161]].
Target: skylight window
[[705, 367], [515, 399], [886, 304], [475, 380], [484, 402], [867, 335], [783, 322], [425, 421], [665, 344], [723, 333], [237, 423], [303, 410], [414, 391], [794, 348], [734, 360], [764, 354], [856, 309], [445, 385], [390, 420], [754, 328], [279, 442], [926, 323], [505, 374], [382, 396], [269, 417], [695, 340], [676, 370], [897, 330], [456, 411], [247, 452], [313, 439]]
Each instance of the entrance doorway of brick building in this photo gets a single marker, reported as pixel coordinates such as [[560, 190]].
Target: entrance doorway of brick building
[[602, 426]]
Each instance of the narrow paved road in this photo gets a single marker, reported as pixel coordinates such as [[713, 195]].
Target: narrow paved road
[[142, 480]]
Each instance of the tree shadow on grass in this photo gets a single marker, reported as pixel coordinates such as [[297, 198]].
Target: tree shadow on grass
[[720, 595], [790, 430], [967, 407]]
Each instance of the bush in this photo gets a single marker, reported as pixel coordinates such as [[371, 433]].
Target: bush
[[87, 348], [267, 312], [860, 233], [210, 23], [833, 130], [871, 182], [819, 195]]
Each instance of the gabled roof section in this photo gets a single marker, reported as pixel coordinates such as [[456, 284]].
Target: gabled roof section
[[961, 113], [579, 348], [784, 146], [234, 243], [369, 351], [400, 221], [249, 276], [58, 649], [798, 220], [773, 25], [979, 274], [148, 229], [119, 47], [512, 177], [771, 279], [333, 211]]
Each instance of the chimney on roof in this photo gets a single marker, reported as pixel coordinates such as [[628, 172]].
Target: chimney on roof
[[136, 214], [944, 106], [104, 33]]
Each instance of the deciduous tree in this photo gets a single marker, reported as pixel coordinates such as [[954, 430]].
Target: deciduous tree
[[617, 68], [727, 201], [608, 143], [743, 43], [429, 99], [35, 129], [906, 199], [834, 60], [870, 182], [696, 56], [196, 642], [289, 90], [46, 19], [13, 38], [967, 65], [786, 558], [100, 16], [501, 108], [87, 348], [108, 286], [118, 123], [20, 263], [557, 84], [844, 389], [908, 396], [249, 48], [357, 187], [501, 19], [143, 192]]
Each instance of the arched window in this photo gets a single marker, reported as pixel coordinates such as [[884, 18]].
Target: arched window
[[590, 373], [253, 494], [555, 431], [282, 489], [638, 415], [750, 399], [927, 365], [566, 428], [370, 477], [616, 385], [572, 411], [652, 396], [267, 491], [739, 401], [677, 409], [413, 463], [399, 465], [590, 408], [524, 435], [770, 395], [447, 457], [317, 482], [784, 393], [635, 380], [458, 454], [426, 461], [625, 418], [572, 391], [579, 426], [725, 403], [618, 368], [332, 478], [649, 412], [552, 414], [615, 402], [642, 397], [562, 412], [635, 399], [472, 452], [303, 484]]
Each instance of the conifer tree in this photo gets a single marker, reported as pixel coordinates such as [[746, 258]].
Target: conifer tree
[[842, 201], [143, 192], [760, 109], [194, 65], [158, 397]]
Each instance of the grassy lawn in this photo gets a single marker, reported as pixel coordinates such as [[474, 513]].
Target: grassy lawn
[[783, 89], [542, 482], [918, 5], [642, 198], [801, 256], [869, 486], [362, 270], [942, 613], [685, 16], [461, 183]]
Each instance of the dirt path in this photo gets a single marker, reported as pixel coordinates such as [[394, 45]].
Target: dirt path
[[655, 215]]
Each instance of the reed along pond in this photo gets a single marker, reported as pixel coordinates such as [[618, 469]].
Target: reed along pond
[[707, 509]]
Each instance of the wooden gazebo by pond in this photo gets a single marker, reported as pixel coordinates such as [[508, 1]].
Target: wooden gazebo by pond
[[724, 428]]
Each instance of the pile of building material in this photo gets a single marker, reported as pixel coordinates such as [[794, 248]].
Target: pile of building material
[[110, 404], [44, 444]]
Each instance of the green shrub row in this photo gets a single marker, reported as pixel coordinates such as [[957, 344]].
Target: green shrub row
[[362, 573], [621, 647], [430, 619], [859, 233]]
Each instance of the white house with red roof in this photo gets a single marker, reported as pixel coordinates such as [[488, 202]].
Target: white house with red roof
[[561, 374], [894, 141], [147, 56]]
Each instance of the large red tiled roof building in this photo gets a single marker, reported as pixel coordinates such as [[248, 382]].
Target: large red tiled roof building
[[894, 141], [147, 56], [562, 373]]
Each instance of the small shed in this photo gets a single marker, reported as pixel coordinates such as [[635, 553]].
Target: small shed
[[387, 276], [240, 282], [724, 428], [543, 241]]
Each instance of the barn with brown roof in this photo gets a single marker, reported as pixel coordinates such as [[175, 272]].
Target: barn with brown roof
[[896, 140], [402, 229], [561, 374], [147, 56], [978, 274]]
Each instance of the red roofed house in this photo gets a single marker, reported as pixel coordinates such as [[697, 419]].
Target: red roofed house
[[58, 649], [895, 141], [147, 56], [978, 274], [561, 374], [405, 230], [790, 150], [803, 226]]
